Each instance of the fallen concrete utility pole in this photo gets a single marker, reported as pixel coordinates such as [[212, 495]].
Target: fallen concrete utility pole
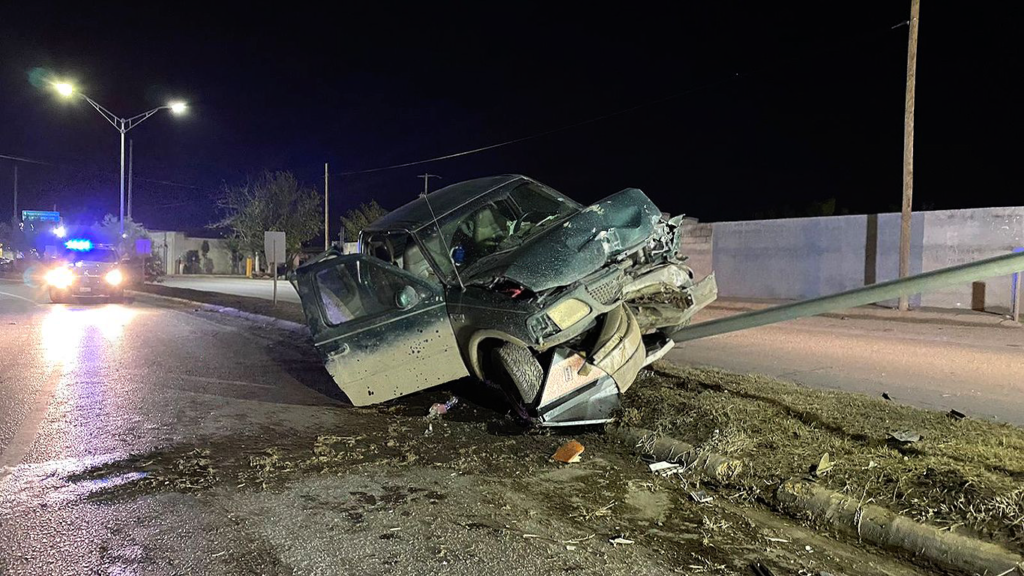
[[927, 282]]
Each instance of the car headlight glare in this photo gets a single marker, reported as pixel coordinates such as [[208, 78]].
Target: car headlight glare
[[568, 312], [114, 277], [60, 278]]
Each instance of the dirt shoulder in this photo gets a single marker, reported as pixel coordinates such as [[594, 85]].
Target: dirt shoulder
[[962, 475], [283, 310], [471, 493]]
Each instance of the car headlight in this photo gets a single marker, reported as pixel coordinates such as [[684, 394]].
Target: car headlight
[[568, 312], [114, 277], [60, 277]]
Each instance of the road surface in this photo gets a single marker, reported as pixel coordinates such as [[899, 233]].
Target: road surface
[[237, 286], [978, 370], [148, 438]]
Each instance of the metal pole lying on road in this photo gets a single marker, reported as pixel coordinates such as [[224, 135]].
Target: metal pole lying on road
[[936, 279]]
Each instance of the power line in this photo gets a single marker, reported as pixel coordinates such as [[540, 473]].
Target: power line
[[95, 171], [546, 132]]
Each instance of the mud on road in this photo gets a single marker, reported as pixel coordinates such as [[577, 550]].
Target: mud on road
[[385, 490]]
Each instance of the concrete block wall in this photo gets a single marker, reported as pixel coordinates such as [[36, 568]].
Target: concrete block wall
[[807, 257], [172, 247], [696, 246]]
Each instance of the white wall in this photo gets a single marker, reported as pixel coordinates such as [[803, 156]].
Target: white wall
[[806, 257]]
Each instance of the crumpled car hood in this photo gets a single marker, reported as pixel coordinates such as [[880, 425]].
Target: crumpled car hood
[[581, 245]]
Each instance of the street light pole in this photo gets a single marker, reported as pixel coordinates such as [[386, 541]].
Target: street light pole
[[123, 125]]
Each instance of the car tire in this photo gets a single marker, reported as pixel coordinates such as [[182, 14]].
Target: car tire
[[522, 368], [55, 297]]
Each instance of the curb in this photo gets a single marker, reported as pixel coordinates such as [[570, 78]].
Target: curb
[[874, 524], [287, 325], [887, 529], [646, 442]]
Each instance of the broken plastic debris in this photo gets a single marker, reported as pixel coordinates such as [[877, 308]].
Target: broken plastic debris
[[956, 415], [620, 541], [823, 465], [886, 396], [664, 468], [701, 497], [905, 436], [440, 409], [569, 452]]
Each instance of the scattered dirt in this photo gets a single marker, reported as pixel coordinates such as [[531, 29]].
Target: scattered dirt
[[567, 513], [963, 475]]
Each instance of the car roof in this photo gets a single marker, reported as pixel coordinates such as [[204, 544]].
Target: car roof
[[417, 213]]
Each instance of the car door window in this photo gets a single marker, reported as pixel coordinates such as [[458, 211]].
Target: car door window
[[359, 288]]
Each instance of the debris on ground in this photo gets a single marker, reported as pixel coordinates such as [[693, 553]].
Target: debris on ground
[[905, 436], [664, 468], [569, 452], [960, 475], [823, 466], [440, 409], [620, 541], [886, 396], [956, 414], [701, 497], [761, 570]]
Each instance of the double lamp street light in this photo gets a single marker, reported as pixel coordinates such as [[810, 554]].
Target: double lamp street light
[[123, 125]]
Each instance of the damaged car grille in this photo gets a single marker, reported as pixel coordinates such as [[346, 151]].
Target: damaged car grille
[[606, 290]]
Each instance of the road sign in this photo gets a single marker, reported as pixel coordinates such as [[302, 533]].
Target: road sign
[[143, 246], [273, 245], [40, 216]]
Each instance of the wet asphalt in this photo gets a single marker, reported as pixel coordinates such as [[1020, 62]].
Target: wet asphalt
[[85, 384]]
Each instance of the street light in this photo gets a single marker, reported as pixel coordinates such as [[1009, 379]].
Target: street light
[[123, 125]]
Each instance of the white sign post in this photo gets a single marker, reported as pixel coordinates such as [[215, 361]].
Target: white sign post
[[273, 245]]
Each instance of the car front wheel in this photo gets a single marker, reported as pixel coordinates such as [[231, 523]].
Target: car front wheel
[[522, 368], [57, 297]]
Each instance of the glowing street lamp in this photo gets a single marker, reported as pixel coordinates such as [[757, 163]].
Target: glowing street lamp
[[123, 125]]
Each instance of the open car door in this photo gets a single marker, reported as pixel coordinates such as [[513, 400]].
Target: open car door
[[381, 331]]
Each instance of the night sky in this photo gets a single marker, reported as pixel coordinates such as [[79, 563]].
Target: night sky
[[751, 111]]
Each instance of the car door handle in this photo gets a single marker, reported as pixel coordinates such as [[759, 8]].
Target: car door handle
[[343, 349]]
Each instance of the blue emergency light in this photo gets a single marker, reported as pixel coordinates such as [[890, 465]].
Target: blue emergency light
[[78, 245]]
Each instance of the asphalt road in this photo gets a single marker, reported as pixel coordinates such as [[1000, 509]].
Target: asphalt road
[[237, 286], [978, 370], [154, 438]]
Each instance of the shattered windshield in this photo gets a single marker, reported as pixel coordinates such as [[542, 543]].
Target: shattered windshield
[[494, 224]]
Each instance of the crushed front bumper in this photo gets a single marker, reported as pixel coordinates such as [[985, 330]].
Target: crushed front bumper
[[583, 387]]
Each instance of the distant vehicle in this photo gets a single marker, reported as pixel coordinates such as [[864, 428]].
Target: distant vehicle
[[86, 271]]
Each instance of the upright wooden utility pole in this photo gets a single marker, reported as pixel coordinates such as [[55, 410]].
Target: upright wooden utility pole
[[908, 150]]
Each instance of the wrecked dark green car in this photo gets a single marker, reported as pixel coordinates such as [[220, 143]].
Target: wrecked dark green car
[[512, 282]]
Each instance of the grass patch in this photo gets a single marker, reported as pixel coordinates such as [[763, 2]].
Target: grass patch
[[966, 475]]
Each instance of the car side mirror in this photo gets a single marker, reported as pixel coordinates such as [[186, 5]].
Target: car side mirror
[[406, 298]]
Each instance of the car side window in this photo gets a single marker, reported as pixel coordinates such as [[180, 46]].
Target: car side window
[[357, 289]]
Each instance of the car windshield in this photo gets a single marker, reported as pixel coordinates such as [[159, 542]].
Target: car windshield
[[94, 255], [494, 224]]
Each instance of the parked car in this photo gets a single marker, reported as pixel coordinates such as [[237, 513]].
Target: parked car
[[507, 280]]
